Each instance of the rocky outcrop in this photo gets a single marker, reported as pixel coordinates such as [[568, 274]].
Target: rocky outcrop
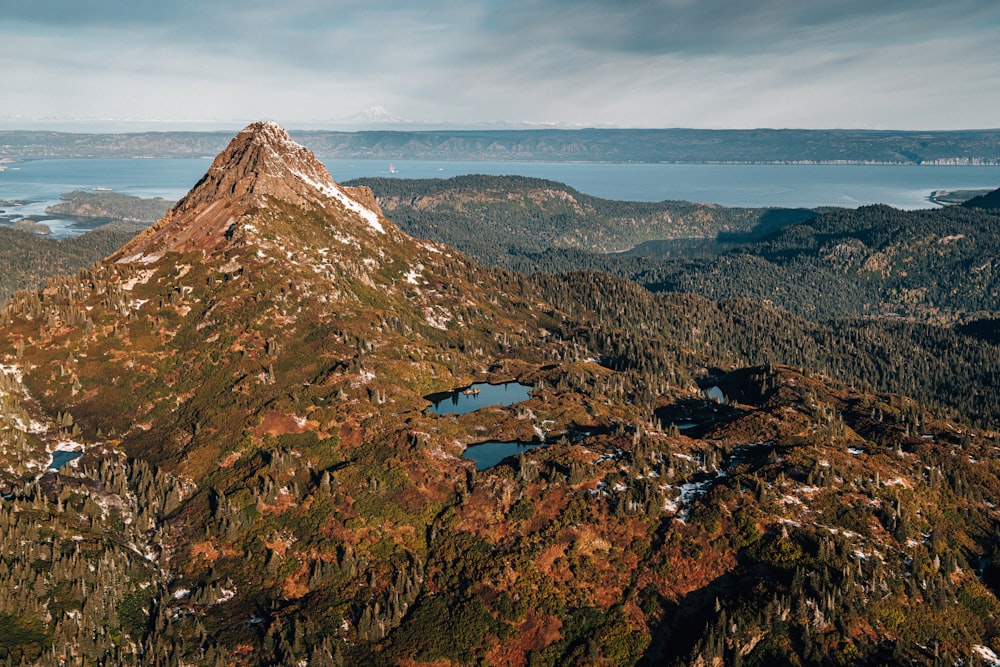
[[261, 165]]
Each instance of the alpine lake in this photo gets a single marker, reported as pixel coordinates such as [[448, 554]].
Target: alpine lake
[[481, 395], [60, 458]]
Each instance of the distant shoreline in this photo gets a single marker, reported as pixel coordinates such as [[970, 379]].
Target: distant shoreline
[[955, 197], [958, 165], [618, 146]]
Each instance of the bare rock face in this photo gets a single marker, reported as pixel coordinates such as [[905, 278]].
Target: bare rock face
[[364, 195], [262, 160], [261, 164]]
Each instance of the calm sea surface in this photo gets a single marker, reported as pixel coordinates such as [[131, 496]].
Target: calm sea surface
[[730, 185]]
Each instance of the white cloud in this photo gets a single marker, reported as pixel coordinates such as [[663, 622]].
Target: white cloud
[[712, 63]]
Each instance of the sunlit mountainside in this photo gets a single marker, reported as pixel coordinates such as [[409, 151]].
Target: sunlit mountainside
[[720, 481]]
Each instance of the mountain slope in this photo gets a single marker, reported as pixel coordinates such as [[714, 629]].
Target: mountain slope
[[990, 200], [262, 484], [265, 335], [876, 262], [266, 253], [935, 265], [932, 265], [30, 259], [489, 217]]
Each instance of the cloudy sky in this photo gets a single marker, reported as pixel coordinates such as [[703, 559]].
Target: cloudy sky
[[897, 64]]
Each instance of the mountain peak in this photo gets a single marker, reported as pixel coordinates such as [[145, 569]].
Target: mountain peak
[[260, 164], [263, 161], [375, 115]]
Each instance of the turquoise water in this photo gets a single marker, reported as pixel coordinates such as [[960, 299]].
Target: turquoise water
[[482, 395], [60, 458], [730, 185]]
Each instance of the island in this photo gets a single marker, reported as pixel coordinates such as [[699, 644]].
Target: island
[[31, 226], [111, 205]]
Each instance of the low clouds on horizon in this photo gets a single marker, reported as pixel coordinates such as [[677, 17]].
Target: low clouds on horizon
[[671, 63]]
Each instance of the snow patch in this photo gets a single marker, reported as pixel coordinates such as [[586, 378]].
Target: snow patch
[[437, 317], [68, 446], [139, 258], [139, 279], [364, 377], [693, 490], [346, 239], [414, 273], [987, 655], [332, 190], [12, 372], [439, 453]]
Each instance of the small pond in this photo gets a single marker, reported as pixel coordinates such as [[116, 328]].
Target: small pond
[[61, 458], [488, 454], [480, 395]]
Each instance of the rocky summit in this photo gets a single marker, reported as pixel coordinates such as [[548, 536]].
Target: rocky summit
[[261, 164], [261, 480]]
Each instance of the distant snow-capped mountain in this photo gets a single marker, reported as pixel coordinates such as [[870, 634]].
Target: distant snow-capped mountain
[[375, 114]]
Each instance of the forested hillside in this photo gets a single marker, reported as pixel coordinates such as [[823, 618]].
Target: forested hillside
[[990, 200], [29, 259], [491, 217], [127, 208], [936, 265]]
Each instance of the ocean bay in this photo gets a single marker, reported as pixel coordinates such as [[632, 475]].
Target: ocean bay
[[746, 185]]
